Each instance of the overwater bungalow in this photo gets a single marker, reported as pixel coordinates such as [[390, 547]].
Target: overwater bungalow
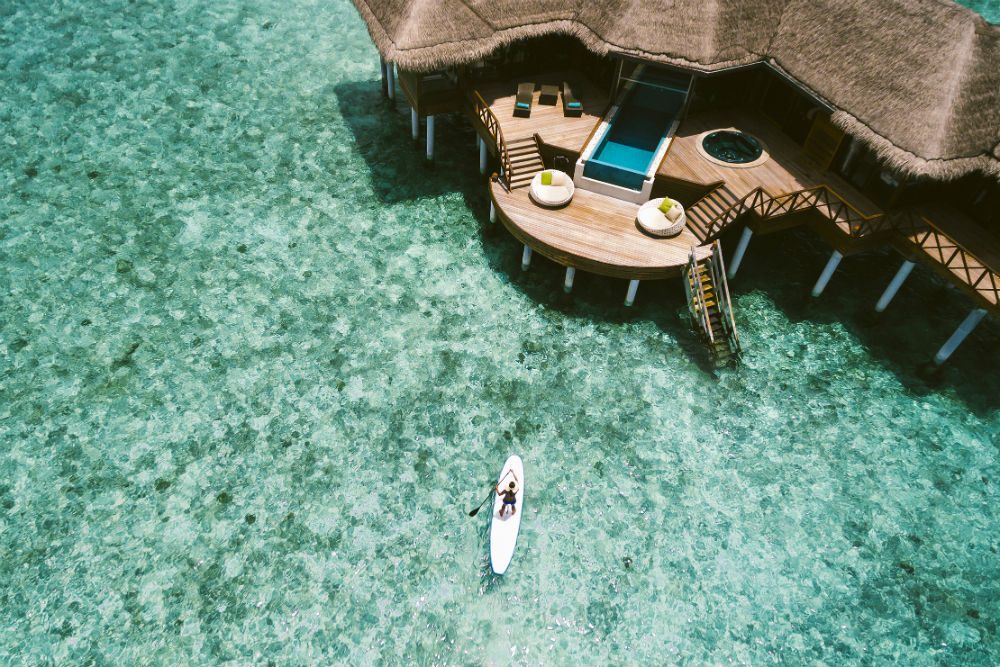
[[627, 137]]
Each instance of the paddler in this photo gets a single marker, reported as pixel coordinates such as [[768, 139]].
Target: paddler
[[509, 496]]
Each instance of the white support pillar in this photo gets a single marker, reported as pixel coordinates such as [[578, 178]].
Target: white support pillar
[[493, 211], [414, 124], [430, 137], [741, 249], [961, 333], [633, 287], [894, 285], [482, 156], [824, 278], [526, 258], [568, 283], [391, 80]]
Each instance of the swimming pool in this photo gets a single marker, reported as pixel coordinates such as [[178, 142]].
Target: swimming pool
[[638, 129]]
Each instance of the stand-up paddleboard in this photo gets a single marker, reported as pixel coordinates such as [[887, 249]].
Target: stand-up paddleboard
[[503, 531]]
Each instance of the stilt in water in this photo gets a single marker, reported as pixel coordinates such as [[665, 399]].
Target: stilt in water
[[824, 277]]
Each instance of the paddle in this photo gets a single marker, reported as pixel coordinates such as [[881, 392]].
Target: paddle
[[493, 488]]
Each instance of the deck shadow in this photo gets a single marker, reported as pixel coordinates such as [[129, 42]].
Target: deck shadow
[[398, 170], [923, 315]]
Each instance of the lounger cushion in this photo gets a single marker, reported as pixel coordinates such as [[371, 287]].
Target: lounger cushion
[[523, 105], [574, 105], [546, 178]]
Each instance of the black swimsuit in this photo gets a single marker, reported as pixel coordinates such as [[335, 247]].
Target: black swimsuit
[[509, 498]]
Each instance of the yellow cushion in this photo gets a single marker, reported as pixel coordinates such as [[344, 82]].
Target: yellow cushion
[[665, 206], [546, 178]]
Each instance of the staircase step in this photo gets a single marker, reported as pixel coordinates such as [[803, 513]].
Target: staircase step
[[527, 149], [528, 161]]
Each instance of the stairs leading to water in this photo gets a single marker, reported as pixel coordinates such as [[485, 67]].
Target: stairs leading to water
[[710, 306], [525, 162]]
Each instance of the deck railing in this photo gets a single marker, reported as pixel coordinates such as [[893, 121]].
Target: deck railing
[[820, 198], [920, 233], [913, 228], [492, 126]]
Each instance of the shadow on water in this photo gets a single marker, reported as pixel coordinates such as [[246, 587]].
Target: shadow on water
[[782, 266], [920, 319], [399, 173]]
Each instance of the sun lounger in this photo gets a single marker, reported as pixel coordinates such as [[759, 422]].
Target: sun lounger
[[522, 103], [571, 105]]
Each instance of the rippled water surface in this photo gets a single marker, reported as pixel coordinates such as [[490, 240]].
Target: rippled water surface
[[258, 363], [990, 9]]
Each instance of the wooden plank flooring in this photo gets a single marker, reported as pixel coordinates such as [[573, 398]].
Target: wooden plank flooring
[[786, 170], [547, 120], [595, 233]]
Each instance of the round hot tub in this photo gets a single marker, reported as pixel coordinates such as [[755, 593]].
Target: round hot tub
[[732, 147]]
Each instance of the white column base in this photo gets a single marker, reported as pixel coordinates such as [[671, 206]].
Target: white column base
[[897, 281], [824, 278], [961, 333], [741, 249], [526, 258], [568, 283], [430, 137], [633, 287], [482, 156], [414, 124], [493, 211]]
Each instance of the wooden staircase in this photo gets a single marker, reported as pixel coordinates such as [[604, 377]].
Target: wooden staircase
[[525, 161], [704, 215], [710, 306]]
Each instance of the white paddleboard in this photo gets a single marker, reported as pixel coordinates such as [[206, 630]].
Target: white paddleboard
[[503, 531]]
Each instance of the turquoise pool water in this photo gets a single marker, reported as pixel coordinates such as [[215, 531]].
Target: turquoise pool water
[[258, 363], [634, 135]]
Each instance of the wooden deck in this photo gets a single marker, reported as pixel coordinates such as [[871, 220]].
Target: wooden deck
[[786, 170], [547, 121], [594, 233]]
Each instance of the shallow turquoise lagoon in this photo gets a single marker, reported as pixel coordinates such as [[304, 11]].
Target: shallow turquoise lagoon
[[258, 362], [989, 9]]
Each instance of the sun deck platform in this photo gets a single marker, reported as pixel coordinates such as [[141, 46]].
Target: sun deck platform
[[546, 120], [594, 233]]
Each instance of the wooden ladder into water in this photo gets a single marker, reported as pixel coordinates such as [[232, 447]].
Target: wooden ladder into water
[[711, 307]]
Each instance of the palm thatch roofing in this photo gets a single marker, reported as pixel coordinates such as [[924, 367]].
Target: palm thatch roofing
[[916, 80]]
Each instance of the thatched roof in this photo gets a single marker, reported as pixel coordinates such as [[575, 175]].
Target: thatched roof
[[918, 80]]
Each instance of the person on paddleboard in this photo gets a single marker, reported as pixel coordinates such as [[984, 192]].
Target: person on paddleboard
[[509, 496]]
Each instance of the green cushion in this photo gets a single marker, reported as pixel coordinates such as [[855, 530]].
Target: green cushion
[[666, 205], [546, 178]]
